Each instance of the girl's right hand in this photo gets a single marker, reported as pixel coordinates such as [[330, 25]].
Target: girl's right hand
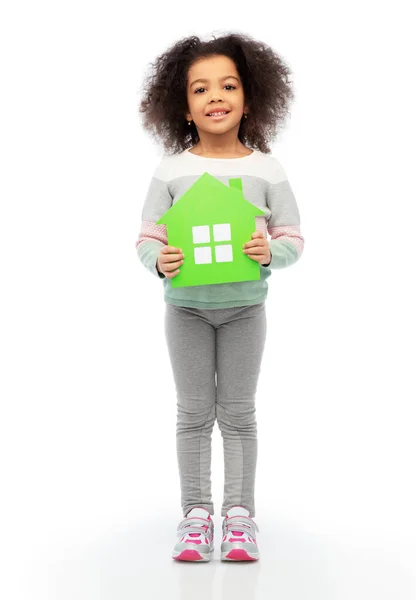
[[169, 259]]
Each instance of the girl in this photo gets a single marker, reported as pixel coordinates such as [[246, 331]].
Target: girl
[[215, 105]]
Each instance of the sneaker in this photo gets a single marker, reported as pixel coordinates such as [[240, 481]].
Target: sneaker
[[239, 536], [195, 536]]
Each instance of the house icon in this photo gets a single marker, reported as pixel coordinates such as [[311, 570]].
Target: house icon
[[211, 222]]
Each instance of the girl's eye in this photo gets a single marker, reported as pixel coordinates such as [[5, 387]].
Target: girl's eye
[[228, 85]]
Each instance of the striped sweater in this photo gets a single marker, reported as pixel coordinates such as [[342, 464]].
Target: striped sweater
[[265, 185]]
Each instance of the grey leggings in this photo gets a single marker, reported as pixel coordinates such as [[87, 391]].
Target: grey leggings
[[216, 356]]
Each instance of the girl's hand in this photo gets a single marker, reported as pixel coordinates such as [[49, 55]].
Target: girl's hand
[[258, 248], [169, 260]]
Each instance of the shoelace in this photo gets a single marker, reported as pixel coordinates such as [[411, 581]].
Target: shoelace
[[193, 525], [239, 524]]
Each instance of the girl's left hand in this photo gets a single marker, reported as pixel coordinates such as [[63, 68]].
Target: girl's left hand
[[258, 248]]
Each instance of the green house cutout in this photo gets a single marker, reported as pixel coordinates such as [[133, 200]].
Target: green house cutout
[[210, 223]]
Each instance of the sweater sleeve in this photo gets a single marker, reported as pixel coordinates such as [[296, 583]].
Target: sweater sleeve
[[153, 237], [286, 243]]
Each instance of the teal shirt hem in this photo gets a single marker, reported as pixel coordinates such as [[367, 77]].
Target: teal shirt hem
[[212, 305]]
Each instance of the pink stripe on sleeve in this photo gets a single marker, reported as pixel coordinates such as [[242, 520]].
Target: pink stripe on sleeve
[[291, 233], [152, 232]]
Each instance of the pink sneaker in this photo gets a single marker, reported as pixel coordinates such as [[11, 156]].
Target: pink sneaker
[[195, 536], [239, 536]]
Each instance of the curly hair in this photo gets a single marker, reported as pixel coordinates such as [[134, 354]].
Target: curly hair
[[265, 80]]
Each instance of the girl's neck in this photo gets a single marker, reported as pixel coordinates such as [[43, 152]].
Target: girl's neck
[[236, 151]]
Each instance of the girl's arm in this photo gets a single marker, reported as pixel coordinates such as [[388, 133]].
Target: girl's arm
[[153, 237], [286, 243]]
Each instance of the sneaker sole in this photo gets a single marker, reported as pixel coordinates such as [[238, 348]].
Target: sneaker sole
[[192, 555], [238, 554]]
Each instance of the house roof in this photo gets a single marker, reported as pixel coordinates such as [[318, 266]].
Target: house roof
[[209, 198]]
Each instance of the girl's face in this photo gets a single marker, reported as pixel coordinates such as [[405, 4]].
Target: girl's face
[[214, 83]]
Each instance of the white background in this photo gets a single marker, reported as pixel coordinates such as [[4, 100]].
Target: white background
[[90, 489]]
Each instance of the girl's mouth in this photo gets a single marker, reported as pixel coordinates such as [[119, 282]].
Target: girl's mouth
[[218, 116]]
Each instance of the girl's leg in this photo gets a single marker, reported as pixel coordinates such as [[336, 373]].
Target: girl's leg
[[240, 344], [191, 345]]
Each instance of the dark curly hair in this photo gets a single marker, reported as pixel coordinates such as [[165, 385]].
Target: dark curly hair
[[265, 80]]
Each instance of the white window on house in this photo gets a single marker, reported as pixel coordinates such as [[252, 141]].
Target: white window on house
[[202, 235]]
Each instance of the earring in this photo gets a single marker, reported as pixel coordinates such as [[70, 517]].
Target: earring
[[245, 116], [189, 122]]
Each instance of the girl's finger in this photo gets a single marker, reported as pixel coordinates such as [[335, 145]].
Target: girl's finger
[[256, 244], [256, 257], [255, 250]]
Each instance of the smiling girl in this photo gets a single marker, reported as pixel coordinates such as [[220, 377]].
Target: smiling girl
[[215, 106]]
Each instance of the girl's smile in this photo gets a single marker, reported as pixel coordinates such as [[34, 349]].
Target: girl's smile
[[218, 116]]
